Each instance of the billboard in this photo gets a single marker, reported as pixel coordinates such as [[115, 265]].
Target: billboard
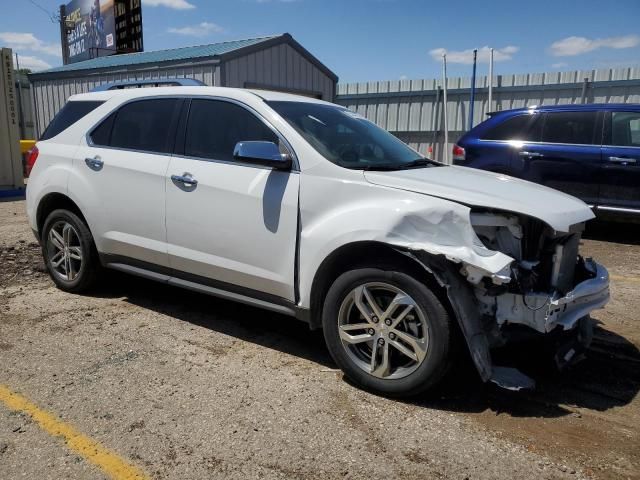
[[91, 29]]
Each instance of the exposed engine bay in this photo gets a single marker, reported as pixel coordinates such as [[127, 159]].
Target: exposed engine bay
[[548, 284]]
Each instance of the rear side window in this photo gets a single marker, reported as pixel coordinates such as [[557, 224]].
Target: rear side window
[[214, 127], [144, 125], [67, 116], [623, 129], [522, 127], [570, 127]]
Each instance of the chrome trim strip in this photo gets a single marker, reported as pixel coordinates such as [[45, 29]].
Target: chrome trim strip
[[619, 209], [89, 141], [540, 144], [216, 292], [197, 287], [140, 272]]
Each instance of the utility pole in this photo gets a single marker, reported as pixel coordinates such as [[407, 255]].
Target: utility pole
[[490, 102], [444, 108], [63, 35], [473, 88]]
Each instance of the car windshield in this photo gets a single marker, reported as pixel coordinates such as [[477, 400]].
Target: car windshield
[[348, 139]]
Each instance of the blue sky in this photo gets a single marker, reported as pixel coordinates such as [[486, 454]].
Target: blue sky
[[364, 40]]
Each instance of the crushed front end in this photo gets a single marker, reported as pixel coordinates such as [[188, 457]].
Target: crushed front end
[[548, 289]]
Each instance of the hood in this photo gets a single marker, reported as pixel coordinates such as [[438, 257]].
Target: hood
[[479, 188]]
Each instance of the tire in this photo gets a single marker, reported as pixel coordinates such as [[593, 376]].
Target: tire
[[80, 257], [427, 321]]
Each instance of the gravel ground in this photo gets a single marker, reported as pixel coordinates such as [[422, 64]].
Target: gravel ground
[[188, 386]]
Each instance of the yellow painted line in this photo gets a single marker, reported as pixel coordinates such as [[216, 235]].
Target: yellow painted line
[[110, 463], [623, 279]]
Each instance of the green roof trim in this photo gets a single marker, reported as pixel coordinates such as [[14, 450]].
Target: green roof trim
[[172, 55]]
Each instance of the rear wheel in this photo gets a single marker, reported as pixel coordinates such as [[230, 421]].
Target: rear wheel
[[387, 331], [69, 252]]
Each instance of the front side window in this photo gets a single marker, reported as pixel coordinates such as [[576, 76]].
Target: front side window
[[214, 127], [67, 116], [143, 125], [625, 129], [521, 127], [348, 139], [570, 127]]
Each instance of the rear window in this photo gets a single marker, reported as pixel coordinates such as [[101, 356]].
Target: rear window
[[67, 116], [521, 127], [143, 125], [570, 127]]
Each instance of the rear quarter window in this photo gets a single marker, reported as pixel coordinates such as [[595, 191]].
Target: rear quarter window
[[525, 127], [68, 115]]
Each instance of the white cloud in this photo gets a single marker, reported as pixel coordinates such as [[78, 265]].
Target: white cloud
[[560, 65], [403, 77], [28, 41], [32, 63], [466, 56], [578, 45], [200, 30], [174, 4]]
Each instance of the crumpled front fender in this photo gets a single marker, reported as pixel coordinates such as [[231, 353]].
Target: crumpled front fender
[[404, 220]]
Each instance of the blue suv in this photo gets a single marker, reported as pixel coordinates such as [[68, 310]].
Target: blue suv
[[589, 151]]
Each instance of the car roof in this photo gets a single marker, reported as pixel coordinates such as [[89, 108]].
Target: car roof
[[571, 107], [233, 93]]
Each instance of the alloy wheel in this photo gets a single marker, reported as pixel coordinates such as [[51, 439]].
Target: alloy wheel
[[383, 330], [64, 251]]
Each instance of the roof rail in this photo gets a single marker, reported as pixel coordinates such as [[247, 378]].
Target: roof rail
[[161, 82]]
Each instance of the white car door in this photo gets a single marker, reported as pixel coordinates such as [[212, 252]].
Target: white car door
[[121, 170], [237, 226]]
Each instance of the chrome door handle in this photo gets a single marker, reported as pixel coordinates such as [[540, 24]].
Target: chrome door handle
[[531, 154], [185, 179], [622, 160], [94, 163]]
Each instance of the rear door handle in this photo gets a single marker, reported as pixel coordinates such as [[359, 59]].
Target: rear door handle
[[622, 160], [94, 163], [530, 154], [186, 179]]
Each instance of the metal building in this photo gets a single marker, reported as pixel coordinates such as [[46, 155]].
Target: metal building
[[275, 63]]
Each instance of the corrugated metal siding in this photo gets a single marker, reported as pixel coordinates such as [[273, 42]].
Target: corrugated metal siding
[[51, 95], [281, 67], [408, 107]]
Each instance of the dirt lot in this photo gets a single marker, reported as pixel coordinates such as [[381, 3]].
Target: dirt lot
[[187, 386]]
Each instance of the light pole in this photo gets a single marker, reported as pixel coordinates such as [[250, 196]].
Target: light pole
[[444, 107]]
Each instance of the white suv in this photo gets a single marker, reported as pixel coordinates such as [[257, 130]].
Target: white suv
[[303, 207]]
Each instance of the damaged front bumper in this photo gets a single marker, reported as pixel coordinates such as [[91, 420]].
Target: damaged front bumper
[[548, 317], [544, 312]]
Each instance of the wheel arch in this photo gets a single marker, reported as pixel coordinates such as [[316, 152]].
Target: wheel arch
[[371, 254], [55, 201]]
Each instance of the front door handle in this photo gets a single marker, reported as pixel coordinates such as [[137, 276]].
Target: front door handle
[[530, 154], [622, 160], [94, 163], [186, 180]]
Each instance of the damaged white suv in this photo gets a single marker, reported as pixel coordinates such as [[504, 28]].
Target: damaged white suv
[[305, 208]]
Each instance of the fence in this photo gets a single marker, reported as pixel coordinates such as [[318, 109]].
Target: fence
[[413, 111]]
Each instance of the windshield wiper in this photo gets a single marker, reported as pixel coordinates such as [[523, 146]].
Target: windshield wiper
[[382, 167], [420, 162]]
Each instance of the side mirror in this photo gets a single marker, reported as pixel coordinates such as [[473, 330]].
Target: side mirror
[[262, 153]]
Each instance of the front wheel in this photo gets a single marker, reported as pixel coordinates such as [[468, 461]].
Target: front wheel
[[387, 331]]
